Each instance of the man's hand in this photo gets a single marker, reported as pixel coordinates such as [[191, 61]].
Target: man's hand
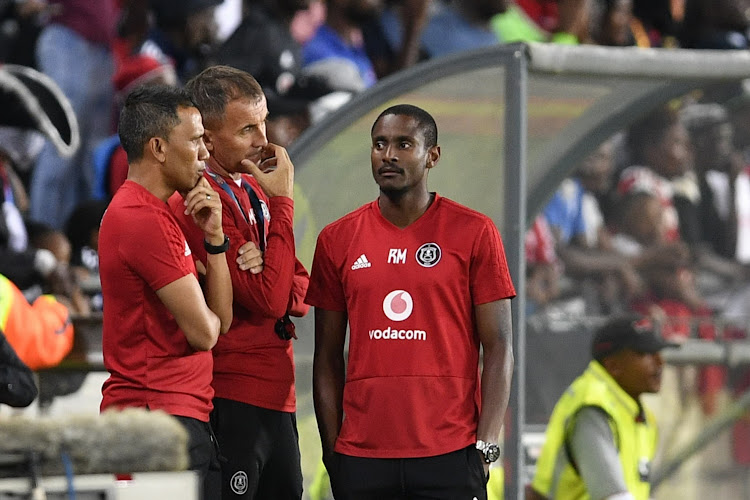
[[485, 465], [250, 258], [275, 174], [204, 205]]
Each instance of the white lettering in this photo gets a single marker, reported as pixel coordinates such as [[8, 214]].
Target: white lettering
[[395, 334], [397, 256]]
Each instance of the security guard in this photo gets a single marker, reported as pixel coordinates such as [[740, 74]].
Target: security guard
[[41, 333], [600, 439]]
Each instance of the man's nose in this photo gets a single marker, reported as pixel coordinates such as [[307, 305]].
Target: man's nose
[[261, 138], [203, 153], [390, 153], [659, 359]]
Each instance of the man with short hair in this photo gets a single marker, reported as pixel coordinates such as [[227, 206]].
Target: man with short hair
[[158, 327], [255, 402], [600, 440], [422, 282]]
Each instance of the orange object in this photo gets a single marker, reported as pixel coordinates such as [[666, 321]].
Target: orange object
[[41, 333]]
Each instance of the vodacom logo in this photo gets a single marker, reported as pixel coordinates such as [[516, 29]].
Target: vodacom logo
[[398, 305]]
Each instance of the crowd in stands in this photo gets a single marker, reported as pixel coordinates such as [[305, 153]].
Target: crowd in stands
[[658, 215]]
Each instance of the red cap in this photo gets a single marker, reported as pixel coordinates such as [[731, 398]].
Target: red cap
[[136, 69]]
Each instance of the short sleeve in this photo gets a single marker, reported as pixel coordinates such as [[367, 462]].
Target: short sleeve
[[489, 275], [157, 250], [594, 453], [326, 289]]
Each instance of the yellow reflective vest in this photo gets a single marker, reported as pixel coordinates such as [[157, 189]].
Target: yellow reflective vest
[[634, 432], [41, 333]]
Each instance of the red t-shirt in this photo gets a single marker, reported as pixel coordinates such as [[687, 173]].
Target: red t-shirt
[[251, 363], [151, 364], [412, 382]]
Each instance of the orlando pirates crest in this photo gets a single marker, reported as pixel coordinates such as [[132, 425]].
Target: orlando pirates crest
[[428, 254]]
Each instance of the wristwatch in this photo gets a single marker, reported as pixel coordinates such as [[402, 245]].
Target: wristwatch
[[491, 451], [216, 249]]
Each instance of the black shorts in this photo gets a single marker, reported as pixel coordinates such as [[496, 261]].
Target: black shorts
[[203, 455], [459, 474], [259, 451]]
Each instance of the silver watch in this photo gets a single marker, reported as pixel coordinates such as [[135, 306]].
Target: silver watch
[[491, 451]]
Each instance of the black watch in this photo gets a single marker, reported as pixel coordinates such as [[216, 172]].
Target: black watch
[[491, 451], [216, 249]]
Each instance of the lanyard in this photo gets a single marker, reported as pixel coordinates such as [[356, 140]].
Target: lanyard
[[254, 203], [283, 327], [259, 216]]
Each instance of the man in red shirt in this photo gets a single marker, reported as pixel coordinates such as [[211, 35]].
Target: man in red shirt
[[158, 327], [254, 404], [421, 282]]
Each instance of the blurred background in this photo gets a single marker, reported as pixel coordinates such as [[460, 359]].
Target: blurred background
[[609, 140]]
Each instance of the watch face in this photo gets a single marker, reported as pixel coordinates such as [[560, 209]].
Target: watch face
[[492, 453]]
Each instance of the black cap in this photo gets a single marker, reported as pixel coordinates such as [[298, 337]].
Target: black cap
[[628, 332]]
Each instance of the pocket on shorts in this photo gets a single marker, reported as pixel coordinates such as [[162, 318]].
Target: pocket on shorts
[[476, 464]]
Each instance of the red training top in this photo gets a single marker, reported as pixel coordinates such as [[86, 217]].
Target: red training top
[[412, 381], [251, 363], [151, 364]]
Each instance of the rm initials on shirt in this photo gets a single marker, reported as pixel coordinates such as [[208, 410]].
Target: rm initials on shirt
[[361, 263], [397, 256]]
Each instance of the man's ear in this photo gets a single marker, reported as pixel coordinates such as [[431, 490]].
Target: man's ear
[[433, 156], [158, 148], [612, 365]]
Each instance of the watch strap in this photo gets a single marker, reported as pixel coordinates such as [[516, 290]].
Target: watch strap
[[217, 249]]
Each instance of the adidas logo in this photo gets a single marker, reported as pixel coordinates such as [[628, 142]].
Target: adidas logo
[[361, 263]]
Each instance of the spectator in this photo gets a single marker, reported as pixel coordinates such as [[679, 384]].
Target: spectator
[[543, 268], [724, 182], [387, 56], [79, 36], [32, 265], [639, 222], [185, 32], [449, 26], [337, 50], [582, 241], [65, 283], [133, 68], [722, 240], [659, 147], [264, 46]]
